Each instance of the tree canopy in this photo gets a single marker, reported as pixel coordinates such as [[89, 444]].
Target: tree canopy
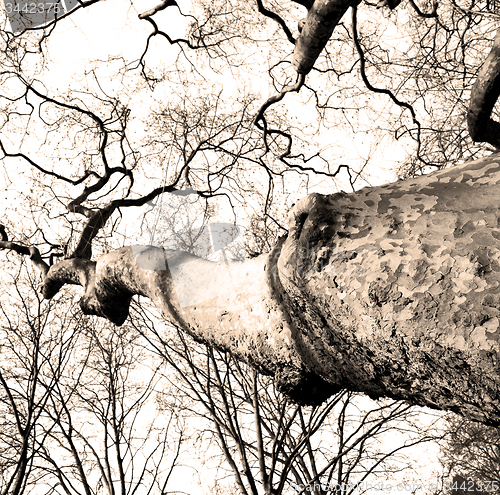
[[167, 102]]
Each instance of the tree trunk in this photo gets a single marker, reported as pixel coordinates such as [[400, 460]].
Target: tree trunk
[[393, 291]]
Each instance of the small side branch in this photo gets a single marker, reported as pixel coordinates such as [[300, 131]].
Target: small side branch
[[32, 252], [293, 88], [384, 91], [148, 16], [278, 19], [364, 77]]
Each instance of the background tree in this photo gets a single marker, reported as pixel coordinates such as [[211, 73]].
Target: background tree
[[268, 444], [35, 349], [109, 435], [470, 451], [79, 404]]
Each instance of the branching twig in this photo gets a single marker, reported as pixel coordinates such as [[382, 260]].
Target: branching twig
[[276, 98], [385, 91]]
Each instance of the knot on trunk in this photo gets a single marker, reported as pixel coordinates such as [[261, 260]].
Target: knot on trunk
[[101, 298]]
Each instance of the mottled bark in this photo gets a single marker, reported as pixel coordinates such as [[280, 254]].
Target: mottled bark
[[396, 289], [393, 291]]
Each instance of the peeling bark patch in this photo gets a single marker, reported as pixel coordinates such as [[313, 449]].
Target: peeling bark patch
[[416, 314], [380, 294]]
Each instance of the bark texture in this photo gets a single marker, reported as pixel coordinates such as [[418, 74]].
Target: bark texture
[[393, 291], [399, 295], [321, 20]]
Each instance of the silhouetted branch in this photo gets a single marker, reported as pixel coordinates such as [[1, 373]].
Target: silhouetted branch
[[32, 252], [278, 19], [293, 88], [162, 6]]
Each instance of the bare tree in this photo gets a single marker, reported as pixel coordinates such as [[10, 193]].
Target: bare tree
[[271, 445], [35, 349], [78, 404], [390, 291], [109, 436], [470, 451]]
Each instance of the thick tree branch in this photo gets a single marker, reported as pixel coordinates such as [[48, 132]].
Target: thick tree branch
[[162, 6], [484, 95], [391, 291], [321, 20]]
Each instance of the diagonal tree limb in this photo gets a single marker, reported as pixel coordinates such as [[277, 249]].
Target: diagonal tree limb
[[321, 20], [484, 95], [162, 6]]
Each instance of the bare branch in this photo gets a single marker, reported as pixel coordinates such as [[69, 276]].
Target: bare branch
[[162, 6], [293, 88], [278, 19], [388, 92], [32, 252], [98, 218]]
